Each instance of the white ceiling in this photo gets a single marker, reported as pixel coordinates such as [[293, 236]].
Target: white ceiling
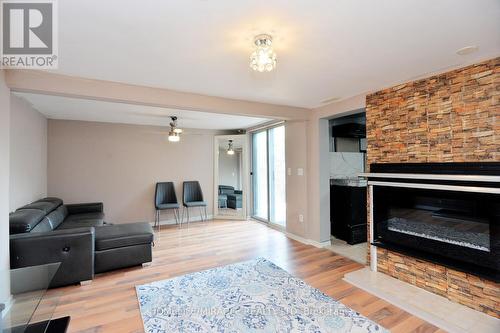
[[325, 48], [56, 107]]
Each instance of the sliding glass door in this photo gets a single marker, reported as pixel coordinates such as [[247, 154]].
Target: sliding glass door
[[260, 175], [268, 171], [277, 187]]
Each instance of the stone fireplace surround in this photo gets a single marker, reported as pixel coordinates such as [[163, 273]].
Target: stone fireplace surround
[[450, 117]]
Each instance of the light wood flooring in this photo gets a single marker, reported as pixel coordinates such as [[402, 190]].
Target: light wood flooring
[[109, 303]]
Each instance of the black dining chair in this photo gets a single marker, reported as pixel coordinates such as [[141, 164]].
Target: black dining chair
[[165, 198], [192, 196]]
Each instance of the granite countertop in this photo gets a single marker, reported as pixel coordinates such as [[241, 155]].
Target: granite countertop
[[354, 182]]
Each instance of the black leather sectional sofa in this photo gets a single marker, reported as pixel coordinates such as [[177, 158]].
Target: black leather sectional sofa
[[76, 235], [231, 197]]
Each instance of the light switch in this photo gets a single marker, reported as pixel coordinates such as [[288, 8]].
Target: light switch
[[289, 171], [300, 172]]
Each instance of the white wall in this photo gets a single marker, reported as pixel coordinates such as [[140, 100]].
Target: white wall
[[229, 169], [4, 189], [28, 153], [120, 165]]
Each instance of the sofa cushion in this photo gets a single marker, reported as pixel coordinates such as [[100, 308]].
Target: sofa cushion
[[85, 216], [225, 189], [56, 217], [80, 224], [235, 197], [43, 226], [51, 199], [24, 220], [120, 235], [84, 208], [45, 206]]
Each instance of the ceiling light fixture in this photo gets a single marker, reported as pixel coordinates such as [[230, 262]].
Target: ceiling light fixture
[[174, 134], [230, 149], [263, 59]]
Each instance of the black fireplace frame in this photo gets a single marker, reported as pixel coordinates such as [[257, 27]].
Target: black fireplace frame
[[480, 177]]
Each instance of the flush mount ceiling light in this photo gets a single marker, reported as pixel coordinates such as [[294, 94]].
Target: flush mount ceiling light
[[263, 59], [230, 149], [467, 50], [174, 134]]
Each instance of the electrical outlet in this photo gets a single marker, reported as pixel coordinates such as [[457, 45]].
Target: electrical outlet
[[300, 172], [301, 218]]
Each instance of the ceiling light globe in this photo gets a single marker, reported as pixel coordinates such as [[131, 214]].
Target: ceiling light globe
[[230, 152]]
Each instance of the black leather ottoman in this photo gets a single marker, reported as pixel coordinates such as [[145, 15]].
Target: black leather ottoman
[[122, 245]]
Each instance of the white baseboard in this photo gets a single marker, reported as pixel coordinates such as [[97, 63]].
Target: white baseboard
[[308, 241], [293, 236], [172, 221]]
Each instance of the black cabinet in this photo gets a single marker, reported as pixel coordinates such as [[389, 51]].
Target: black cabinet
[[348, 213]]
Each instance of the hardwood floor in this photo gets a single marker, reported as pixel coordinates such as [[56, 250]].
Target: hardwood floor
[[109, 303]]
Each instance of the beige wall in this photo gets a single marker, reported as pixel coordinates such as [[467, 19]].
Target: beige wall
[[296, 186], [4, 188], [120, 164], [28, 153]]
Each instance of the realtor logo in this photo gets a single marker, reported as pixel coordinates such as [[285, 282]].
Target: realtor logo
[[29, 39]]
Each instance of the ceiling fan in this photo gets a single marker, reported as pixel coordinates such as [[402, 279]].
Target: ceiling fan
[[175, 132]]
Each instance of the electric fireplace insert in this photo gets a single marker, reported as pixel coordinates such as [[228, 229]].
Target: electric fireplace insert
[[447, 213]]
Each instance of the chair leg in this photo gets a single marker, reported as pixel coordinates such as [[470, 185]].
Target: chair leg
[[201, 215], [187, 213], [158, 219], [206, 215]]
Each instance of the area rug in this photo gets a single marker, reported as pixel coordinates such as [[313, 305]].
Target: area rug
[[252, 296]]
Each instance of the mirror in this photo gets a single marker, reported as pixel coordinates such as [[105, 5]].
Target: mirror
[[230, 176]]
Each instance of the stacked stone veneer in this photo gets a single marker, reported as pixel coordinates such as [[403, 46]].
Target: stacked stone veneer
[[451, 117]]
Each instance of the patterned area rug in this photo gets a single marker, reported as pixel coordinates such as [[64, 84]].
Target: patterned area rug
[[253, 296]]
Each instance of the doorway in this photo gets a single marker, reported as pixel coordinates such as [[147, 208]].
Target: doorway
[[269, 176], [230, 176], [347, 157]]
